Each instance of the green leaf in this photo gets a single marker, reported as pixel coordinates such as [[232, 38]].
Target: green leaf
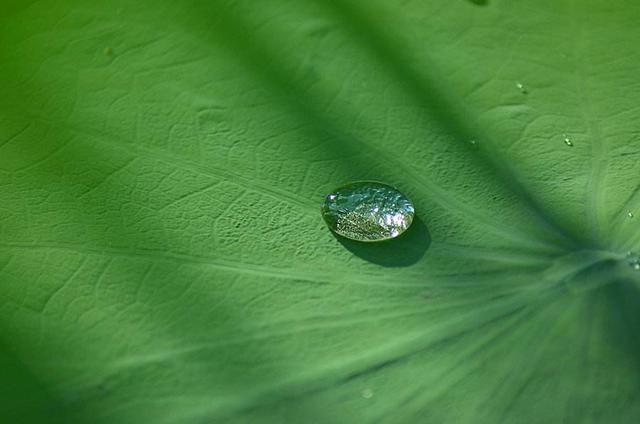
[[162, 254]]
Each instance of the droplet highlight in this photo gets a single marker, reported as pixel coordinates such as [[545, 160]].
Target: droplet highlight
[[630, 214], [367, 211], [567, 140]]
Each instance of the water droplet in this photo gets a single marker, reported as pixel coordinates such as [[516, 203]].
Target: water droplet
[[366, 393], [567, 140], [633, 260], [474, 143], [367, 211], [630, 214], [521, 87]]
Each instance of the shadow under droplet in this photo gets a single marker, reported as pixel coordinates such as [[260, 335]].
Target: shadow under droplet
[[402, 251], [479, 2]]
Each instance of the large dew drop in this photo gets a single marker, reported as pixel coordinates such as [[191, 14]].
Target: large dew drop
[[367, 211]]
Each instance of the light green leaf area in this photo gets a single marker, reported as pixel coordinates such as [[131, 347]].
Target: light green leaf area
[[162, 254]]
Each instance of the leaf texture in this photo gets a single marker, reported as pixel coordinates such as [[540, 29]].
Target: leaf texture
[[162, 254]]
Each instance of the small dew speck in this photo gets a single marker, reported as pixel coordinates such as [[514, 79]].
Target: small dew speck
[[366, 393], [567, 140], [522, 88], [630, 214], [633, 260]]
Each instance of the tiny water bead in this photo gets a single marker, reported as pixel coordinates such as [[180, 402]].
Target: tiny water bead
[[633, 260], [630, 214], [521, 87], [367, 211], [366, 393], [567, 140]]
